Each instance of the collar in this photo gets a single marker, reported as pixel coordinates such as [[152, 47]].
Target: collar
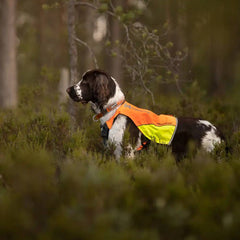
[[107, 110]]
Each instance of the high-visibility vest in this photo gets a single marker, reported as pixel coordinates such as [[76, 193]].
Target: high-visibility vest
[[158, 128]]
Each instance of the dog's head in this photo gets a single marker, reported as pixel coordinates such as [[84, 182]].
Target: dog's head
[[95, 86]]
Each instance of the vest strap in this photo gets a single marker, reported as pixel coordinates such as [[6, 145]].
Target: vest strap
[[107, 110]]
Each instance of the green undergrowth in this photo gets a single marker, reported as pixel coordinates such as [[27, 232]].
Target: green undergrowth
[[56, 182]]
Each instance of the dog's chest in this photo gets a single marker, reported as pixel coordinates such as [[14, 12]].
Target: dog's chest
[[116, 133]]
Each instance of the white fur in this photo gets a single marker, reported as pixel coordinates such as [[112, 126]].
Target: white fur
[[139, 142], [89, 70], [78, 89], [206, 123], [210, 139], [118, 96], [130, 153], [116, 134]]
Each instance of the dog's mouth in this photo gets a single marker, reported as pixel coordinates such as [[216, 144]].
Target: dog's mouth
[[75, 97], [84, 102]]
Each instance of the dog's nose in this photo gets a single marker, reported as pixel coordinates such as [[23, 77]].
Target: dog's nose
[[68, 90]]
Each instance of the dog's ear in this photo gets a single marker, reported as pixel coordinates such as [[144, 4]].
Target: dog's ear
[[101, 87]]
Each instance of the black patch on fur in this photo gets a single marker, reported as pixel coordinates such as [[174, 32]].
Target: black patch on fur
[[189, 130], [98, 87], [134, 132], [104, 133]]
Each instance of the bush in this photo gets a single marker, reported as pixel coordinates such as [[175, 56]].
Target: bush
[[56, 183]]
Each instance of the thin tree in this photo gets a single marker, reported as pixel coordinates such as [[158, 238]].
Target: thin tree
[[8, 64], [116, 37], [72, 42]]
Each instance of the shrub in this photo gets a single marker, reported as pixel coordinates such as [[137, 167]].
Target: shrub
[[56, 182]]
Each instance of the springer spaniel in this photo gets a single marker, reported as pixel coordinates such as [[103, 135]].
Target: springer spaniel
[[105, 96]]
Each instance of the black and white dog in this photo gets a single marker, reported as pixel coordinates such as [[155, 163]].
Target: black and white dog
[[104, 94]]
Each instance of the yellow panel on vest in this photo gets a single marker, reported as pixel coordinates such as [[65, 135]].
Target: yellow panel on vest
[[159, 134], [158, 128]]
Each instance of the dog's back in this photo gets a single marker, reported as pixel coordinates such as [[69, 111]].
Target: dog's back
[[201, 132]]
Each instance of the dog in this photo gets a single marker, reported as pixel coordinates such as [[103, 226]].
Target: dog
[[106, 98]]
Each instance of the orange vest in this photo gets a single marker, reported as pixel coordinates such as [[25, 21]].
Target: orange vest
[[158, 128]]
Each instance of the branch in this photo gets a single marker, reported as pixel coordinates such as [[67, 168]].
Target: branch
[[87, 4], [143, 53], [148, 91], [89, 49]]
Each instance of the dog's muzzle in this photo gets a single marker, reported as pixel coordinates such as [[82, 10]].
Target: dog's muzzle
[[72, 93]]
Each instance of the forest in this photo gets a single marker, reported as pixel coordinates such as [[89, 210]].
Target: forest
[[57, 181]]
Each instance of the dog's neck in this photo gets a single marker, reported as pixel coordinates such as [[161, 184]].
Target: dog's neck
[[116, 99]]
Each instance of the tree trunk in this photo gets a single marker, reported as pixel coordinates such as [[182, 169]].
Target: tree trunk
[[72, 43], [116, 35], [173, 21], [216, 67], [63, 85], [8, 64], [89, 24]]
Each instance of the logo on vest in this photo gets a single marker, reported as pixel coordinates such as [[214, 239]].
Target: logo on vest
[[131, 107]]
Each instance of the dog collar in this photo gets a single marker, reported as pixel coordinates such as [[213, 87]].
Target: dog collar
[[107, 110]]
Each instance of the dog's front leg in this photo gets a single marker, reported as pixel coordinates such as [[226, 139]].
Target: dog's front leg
[[116, 134]]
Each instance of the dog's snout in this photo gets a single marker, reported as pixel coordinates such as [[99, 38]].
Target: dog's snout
[[68, 90], [72, 93]]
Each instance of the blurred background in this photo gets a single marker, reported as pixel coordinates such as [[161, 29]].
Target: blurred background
[[179, 57], [205, 32]]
